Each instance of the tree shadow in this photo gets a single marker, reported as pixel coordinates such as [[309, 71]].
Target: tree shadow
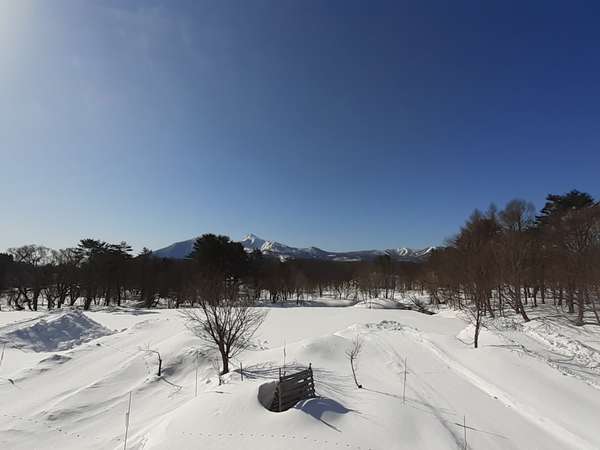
[[501, 436], [414, 403], [439, 413]]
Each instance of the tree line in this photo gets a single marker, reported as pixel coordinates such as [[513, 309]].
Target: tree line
[[516, 259], [104, 274], [509, 259]]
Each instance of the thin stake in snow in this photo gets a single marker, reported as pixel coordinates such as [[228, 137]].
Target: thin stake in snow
[[127, 422], [2, 355], [196, 388], [284, 355], [404, 385], [465, 427]]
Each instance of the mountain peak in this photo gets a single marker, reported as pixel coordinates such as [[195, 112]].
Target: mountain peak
[[251, 237], [252, 242]]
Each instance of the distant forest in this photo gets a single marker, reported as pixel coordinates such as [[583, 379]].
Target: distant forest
[[501, 259]]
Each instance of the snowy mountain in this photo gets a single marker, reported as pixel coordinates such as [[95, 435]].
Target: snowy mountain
[[178, 250], [252, 242]]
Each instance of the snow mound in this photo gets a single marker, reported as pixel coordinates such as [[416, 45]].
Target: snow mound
[[54, 332]]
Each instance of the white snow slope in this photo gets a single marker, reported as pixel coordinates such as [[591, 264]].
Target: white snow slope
[[76, 398]]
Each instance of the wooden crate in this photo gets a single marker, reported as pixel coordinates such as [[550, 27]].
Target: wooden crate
[[293, 388]]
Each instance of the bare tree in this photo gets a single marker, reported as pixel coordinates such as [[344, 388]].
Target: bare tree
[[513, 251], [474, 312], [30, 276], [352, 354], [227, 326], [474, 249]]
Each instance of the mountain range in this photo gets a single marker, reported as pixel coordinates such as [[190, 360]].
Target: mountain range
[[180, 250]]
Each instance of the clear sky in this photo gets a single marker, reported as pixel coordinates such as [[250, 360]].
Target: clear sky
[[340, 124]]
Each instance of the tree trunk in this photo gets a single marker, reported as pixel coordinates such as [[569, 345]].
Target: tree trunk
[[225, 360], [36, 296], [580, 308], [543, 294], [592, 302], [88, 301], [570, 302], [354, 374]]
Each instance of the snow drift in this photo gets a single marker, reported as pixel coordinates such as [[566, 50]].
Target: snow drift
[[53, 332]]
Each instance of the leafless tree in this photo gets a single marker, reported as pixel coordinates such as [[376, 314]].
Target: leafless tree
[[30, 278], [227, 326], [513, 251], [474, 245], [352, 354]]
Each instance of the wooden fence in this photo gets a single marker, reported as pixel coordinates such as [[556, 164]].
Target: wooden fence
[[293, 388]]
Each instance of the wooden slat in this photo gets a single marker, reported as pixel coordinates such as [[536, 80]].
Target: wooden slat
[[303, 371], [298, 375], [298, 394], [292, 386], [295, 380], [295, 390], [288, 386], [301, 374]]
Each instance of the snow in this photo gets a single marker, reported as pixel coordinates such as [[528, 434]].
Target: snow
[[252, 242], [52, 332], [511, 397], [552, 338], [582, 354], [178, 250]]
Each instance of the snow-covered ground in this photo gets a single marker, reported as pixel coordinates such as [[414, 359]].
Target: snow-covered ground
[[65, 381]]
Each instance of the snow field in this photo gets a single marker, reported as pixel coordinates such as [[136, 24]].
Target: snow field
[[76, 397]]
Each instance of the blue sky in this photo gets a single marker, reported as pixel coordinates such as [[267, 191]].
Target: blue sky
[[339, 124]]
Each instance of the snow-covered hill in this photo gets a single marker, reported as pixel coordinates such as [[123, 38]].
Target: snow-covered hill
[[178, 250], [272, 248]]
